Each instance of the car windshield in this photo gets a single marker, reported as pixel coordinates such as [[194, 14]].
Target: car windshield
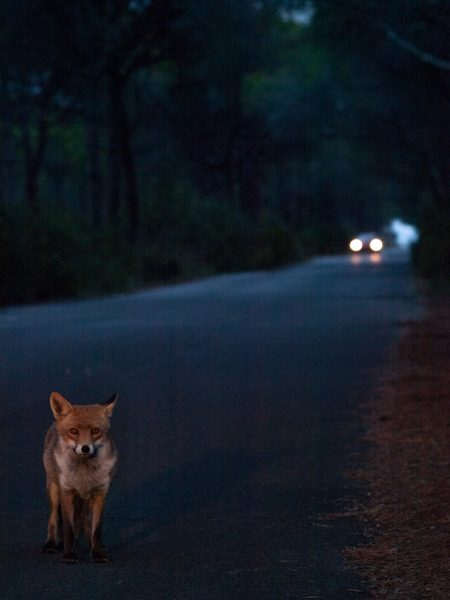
[[366, 237]]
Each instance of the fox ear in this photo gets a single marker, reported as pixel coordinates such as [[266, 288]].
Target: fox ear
[[60, 406], [109, 405]]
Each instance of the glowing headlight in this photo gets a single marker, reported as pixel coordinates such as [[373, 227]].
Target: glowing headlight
[[376, 245], [356, 245]]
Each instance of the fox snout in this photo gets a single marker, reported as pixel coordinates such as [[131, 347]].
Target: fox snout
[[85, 449], [85, 445]]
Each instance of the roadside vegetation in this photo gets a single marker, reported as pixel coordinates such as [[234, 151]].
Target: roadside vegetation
[[154, 141], [49, 251]]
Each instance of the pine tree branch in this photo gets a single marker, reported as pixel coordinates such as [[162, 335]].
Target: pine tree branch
[[431, 59]]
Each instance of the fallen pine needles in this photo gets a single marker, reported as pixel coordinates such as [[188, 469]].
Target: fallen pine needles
[[406, 519]]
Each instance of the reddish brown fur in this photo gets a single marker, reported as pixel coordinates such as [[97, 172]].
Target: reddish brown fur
[[80, 461]]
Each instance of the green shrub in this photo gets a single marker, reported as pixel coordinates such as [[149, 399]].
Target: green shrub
[[115, 264], [431, 254], [275, 246], [42, 254], [185, 234], [324, 238], [48, 253]]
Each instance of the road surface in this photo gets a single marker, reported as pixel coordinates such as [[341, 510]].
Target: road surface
[[237, 417]]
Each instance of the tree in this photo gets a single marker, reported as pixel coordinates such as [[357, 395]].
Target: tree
[[405, 45], [94, 49], [219, 44], [29, 102]]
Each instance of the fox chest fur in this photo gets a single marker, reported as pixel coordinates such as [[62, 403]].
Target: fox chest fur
[[84, 474]]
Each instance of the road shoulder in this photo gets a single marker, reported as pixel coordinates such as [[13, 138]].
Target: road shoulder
[[406, 515]]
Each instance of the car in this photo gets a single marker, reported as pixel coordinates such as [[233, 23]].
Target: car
[[366, 242]]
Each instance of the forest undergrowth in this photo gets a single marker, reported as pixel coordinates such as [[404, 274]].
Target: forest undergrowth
[[49, 252]]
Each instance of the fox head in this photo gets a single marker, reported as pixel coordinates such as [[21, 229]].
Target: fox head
[[84, 429]]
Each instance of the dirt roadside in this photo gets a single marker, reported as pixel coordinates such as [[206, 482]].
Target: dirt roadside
[[406, 514]]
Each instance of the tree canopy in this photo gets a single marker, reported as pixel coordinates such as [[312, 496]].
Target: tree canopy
[[220, 135]]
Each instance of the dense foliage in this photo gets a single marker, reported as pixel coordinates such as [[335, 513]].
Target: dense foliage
[[142, 141]]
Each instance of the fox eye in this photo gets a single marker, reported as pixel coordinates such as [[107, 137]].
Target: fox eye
[[73, 431], [96, 430]]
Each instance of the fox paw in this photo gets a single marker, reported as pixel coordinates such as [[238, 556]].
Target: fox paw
[[99, 556], [70, 558], [49, 548]]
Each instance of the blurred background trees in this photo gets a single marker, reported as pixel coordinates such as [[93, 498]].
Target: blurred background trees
[[146, 140], [401, 52]]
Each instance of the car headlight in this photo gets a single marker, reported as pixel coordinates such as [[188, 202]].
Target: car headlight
[[356, 245], [376, 245]]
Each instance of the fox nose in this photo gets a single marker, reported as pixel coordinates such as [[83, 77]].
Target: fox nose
[[85, 449]]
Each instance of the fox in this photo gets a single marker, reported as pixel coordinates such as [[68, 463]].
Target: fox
[[80, 461]]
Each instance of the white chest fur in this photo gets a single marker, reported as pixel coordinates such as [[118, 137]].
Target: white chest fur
[[83, 474]]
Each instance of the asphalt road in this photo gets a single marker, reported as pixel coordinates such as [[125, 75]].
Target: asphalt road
[[237, 417]]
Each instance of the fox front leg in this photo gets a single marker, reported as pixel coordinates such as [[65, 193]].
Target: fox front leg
[[53, 493], [85, 522], [97, 508], [68, 513]]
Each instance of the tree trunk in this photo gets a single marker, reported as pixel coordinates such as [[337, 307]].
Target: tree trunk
[[34, 157], [121, 159], [114, 151], [95, 179], [435, 172], [132, 195], [7, 165], [250, 190]]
